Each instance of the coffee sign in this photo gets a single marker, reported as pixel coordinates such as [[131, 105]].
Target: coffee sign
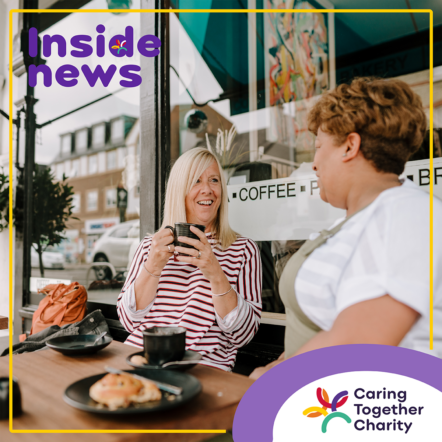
[[291, 208]]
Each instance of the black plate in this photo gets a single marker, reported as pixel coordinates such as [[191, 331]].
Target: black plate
[[64, 344], [188, 355], [77, 394]]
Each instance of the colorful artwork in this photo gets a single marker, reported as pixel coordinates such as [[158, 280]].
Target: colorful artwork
[[297, 52]]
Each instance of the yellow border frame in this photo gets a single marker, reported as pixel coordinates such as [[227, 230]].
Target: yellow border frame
[[11, 170]]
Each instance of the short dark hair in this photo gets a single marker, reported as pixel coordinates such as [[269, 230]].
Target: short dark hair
[[387, 114]]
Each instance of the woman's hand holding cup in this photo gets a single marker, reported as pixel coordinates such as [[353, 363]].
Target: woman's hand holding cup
[[161, 250], [202, 256]]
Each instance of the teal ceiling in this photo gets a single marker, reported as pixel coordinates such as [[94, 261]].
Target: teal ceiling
[[378, 28]]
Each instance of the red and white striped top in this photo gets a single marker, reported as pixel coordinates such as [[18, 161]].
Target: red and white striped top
[[184, 299]]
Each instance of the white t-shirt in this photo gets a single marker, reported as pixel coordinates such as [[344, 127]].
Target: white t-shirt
[[382, 250]]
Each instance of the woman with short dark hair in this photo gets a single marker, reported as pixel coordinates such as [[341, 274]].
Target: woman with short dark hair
[[366, 279]]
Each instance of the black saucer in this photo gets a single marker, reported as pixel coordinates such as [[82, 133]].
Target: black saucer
[[189, 355], [77, 394], [64, 344]]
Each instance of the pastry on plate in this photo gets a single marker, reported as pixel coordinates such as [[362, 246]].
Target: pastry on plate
[[120, 390]]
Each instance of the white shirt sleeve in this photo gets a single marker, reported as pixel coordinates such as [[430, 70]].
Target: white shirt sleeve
[[391, 258], [131, 305], [242, 323], [229, 322]]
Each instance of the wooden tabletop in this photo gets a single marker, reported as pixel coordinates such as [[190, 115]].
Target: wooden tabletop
[[43, 376]]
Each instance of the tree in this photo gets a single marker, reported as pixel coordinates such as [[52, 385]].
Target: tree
[[52, 210]]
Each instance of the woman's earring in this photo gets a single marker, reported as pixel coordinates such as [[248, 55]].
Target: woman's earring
[[344, 154]]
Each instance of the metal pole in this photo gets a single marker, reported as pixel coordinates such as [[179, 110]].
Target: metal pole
[[154, 119], [29, 20]]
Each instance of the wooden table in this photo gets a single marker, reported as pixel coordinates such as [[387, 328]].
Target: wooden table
[[44, 375]]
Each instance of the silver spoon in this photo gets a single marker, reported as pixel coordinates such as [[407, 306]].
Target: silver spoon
[[167, 364], [91, 345]]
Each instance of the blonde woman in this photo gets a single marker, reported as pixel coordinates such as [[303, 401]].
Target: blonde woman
[[215, 293]]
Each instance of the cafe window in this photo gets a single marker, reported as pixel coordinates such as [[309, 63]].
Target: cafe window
[[259, 81], [94, 178], [255, 88], [111, 198], [92, 166], [92, 200]]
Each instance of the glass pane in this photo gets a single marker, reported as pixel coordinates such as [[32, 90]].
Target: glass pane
[[247, 95], [92, 201], [98, 135], [117, 130], [76, 203], [112, 160], [111, 198], [92, 164], [96, 166], [81, 141], [66, 144]]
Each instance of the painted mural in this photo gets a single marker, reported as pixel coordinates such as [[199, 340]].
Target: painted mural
[[297, 70], [297, 51]]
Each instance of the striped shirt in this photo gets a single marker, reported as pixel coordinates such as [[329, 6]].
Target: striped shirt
[[184, 299]]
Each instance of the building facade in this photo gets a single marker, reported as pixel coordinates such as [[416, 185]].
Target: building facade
[[97, 161]]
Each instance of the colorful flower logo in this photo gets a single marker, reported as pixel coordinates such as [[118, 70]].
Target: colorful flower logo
[[119, 46], [338, 401]]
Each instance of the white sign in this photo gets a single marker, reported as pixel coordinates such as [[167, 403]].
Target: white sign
[[380, 406], [38, 283], [282, 209], [291, 208], [99, 225], [419, 173]]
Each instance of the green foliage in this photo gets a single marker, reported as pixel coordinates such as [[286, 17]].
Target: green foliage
[[52, 208]]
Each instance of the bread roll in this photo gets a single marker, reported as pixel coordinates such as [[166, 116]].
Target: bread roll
[[120, 390]]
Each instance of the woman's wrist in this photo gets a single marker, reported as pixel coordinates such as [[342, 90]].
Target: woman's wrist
[[222, 294], [151, 269], [149, 273]]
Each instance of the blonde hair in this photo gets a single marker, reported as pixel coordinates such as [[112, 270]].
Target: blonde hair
[[184, 174]]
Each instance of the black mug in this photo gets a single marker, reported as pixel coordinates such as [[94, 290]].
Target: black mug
[[4, 398], [183, 229], [164, 344]]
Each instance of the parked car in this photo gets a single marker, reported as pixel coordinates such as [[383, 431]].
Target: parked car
[[51, 259], [113, 247]]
